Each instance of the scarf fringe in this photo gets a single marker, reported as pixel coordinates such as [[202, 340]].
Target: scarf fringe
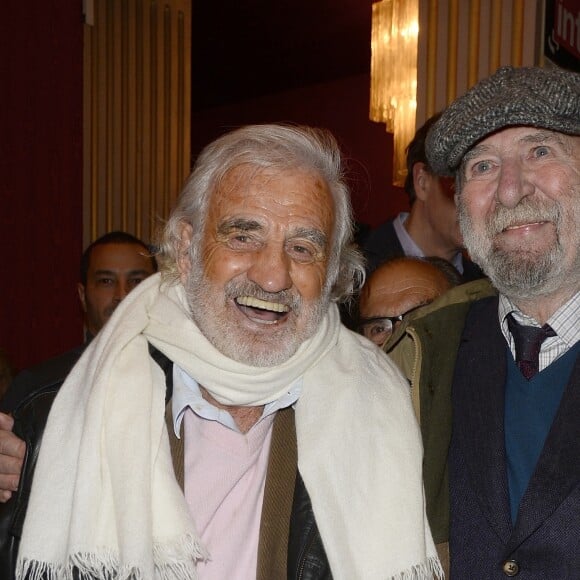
[[172, 562], [431, 569], [178, 561], [35, 570]]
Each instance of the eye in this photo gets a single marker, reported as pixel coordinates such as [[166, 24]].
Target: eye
[[480, 167], [377, 329], [241, 241], [105, 281], [302, 252], [540, 151], [136, 281]]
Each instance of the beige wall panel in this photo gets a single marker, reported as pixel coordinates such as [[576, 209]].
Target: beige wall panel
[[136, 113], [461, 42]]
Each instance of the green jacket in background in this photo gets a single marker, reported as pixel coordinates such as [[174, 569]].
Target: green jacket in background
[[425, 347]]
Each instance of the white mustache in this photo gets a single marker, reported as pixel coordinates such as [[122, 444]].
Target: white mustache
[[523, 213], [250, 289]]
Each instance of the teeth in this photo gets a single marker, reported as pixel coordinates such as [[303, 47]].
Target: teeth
[[517, 227], [256, 303]]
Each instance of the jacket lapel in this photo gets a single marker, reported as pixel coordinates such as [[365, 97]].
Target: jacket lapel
[[558, 469], [278, 497], [478, 409], [176, 446]]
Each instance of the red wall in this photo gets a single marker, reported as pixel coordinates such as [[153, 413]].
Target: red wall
[[341, 106], [41, 46], [41, 177]]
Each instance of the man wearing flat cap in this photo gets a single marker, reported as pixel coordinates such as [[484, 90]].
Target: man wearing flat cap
[[513, 470]]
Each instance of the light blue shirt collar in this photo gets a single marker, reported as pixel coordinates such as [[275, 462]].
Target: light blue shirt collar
[[411, 248], [186, 393]]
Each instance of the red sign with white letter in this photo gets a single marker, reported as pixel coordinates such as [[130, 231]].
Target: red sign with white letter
[[562, 33]]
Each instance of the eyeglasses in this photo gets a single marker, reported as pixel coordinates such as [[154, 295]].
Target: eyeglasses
[[379, 328]]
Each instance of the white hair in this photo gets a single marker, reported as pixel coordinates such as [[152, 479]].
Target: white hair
[[274, 146]]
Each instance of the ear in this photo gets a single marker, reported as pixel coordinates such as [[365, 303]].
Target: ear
[[183, 259], [421, 179], [82, 296]]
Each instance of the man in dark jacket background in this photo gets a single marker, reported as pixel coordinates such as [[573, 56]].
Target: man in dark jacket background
[[430, 227], [110, 268]]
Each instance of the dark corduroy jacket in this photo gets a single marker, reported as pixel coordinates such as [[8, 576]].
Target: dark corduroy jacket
[[544, 541]]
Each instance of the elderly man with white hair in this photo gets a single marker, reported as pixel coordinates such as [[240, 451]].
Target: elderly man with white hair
[[224, 424]]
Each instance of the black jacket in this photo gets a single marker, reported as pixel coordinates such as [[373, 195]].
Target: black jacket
[[306, 556], [383, 244]]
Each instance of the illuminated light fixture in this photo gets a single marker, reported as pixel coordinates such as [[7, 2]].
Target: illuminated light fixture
[[395, 31]]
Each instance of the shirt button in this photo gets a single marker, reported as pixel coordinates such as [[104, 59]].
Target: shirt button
[[510, 568]]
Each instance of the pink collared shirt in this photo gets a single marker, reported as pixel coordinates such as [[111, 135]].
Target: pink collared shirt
[[227, 506]]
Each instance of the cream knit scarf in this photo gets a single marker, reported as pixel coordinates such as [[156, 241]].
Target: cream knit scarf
[[104, 497]]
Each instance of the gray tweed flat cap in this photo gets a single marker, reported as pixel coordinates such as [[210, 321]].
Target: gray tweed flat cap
[[528, 96]]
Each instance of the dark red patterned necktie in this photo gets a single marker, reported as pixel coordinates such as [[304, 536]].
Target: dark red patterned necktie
[[528, 341]]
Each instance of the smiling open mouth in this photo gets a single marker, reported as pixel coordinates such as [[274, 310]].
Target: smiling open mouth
[[262, 311], [525, 225]]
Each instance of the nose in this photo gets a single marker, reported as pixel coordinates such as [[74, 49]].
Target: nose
[[513, 184], [121, 290], [271, 269]]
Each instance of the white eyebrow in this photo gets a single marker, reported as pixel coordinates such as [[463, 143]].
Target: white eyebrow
[[239, 224], [312, 234], [475, 152], [546, 137]]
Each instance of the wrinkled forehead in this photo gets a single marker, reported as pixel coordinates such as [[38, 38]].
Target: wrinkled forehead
[[294, 195], [243, 175], [395, 288]]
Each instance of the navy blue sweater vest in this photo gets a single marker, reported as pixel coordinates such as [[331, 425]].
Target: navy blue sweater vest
[[530, 407]]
